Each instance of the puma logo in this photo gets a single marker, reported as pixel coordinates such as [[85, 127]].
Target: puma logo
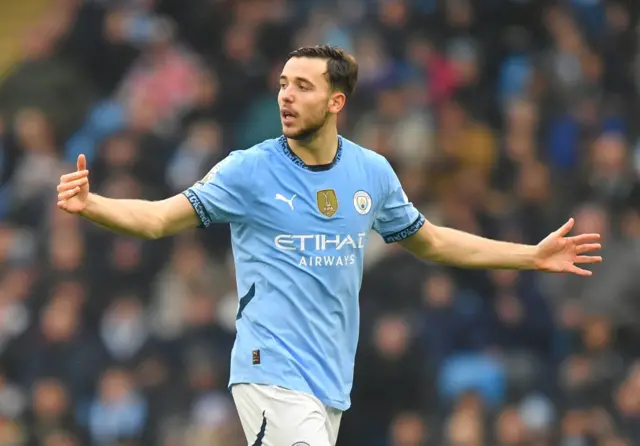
[[289, 201]]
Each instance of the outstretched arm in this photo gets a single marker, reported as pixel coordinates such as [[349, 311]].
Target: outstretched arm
[[556, 253], [139, 218]]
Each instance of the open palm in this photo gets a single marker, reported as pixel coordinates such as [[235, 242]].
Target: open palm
[[558, 253]]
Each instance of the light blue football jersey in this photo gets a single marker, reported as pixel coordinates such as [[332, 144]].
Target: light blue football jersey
[[298, 235]]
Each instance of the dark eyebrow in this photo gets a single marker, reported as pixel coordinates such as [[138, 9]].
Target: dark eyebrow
[[299, 79]]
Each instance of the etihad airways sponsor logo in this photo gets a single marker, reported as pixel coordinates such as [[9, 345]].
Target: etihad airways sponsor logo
[[321, 249]]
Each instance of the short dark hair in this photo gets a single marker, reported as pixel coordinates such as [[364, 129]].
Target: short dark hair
[[342, 68]]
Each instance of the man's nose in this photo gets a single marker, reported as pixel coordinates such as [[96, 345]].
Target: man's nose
[[287, 95]]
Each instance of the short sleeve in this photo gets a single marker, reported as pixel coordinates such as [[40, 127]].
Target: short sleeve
[[221, 196], [396, 217]]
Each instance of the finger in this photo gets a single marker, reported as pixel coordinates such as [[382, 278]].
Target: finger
[[579, 271], [72, 184], [63, 205], [82, 163], [588, 247], [584, 238], [588, 259], [74, 176], [566, 228], [68, 194]]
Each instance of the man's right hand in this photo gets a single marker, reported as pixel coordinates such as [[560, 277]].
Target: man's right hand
[[73, 189]]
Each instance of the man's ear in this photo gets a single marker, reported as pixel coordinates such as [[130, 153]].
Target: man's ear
[[336, 102]]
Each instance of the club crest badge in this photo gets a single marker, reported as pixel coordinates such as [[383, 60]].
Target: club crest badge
[[362, 202]]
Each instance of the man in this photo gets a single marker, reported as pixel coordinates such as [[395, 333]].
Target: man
[[301, 207]]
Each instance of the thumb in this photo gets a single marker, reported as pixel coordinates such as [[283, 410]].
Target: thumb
[[82, 163], [566, 228]]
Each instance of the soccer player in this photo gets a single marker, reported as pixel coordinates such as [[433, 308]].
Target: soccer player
[[301, 207]]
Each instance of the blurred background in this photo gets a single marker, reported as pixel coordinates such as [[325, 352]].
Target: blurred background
[[501, 117]]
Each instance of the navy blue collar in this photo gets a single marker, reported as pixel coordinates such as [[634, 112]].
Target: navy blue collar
[[284, 145]]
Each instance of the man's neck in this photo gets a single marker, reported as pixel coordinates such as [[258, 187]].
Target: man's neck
[[319, 150]]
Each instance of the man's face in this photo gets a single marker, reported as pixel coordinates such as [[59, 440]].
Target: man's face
[[305, 97]]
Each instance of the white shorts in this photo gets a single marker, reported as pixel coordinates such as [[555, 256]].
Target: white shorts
[[273, 416]]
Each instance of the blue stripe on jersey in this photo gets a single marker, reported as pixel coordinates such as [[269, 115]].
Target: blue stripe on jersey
[[244, 300]]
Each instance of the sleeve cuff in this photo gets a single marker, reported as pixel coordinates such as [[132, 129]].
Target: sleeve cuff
[[198, 207], [406, 232]]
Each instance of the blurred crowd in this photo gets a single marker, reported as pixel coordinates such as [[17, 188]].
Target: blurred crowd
[[501, 117]]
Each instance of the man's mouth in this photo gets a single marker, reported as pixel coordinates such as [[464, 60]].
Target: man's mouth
[[287, 116]]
